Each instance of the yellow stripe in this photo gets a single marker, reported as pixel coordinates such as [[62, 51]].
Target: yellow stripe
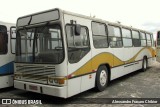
[[106, 58]]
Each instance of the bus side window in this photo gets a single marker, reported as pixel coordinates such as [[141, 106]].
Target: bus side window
[[78, 45], [136, 38], [127, 40], [148, 36], [143, 39], [99, 35], [114, 36], [3, 40]]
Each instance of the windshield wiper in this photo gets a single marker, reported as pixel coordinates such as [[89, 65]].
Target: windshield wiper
[[34, 44], [30, 21]]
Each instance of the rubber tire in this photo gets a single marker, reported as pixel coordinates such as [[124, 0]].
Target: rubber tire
[[98, 86], [143, 68]]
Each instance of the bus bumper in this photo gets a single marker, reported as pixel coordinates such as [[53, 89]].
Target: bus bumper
[[40, 88]]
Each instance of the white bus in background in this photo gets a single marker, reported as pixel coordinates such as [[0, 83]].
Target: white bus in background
[[60, 53], [6, 56]]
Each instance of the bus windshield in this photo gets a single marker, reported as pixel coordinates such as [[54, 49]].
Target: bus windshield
[[39, 45]]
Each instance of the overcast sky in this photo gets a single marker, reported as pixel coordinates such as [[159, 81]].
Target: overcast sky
[[143, 14]]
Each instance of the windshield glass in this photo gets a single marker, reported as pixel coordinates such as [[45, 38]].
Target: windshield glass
[[40, 45]]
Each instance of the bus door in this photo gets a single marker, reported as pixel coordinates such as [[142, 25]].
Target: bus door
[[79, 55]]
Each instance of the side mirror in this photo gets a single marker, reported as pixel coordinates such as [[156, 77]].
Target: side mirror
[[77, 29], [13, 39], [13, 31]]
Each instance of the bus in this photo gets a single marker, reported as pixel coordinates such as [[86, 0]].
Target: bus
[[60, 53], [158, 46], [6, 55]]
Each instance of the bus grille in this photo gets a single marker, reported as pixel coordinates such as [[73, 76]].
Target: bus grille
[[35, 73]]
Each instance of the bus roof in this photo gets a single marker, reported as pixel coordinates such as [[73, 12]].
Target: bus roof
[[104, 21], [87, 17]]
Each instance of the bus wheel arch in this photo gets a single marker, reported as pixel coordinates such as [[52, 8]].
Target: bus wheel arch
[[102, 77]]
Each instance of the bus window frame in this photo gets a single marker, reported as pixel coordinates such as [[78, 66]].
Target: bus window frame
[[134, 38], [68, 24], [115, 36], [143, 39], [106, 31], [127, 37]]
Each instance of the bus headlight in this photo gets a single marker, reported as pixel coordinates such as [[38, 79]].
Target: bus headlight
[[57, 80], [17, 75]]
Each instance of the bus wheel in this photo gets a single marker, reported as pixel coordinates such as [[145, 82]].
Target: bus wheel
[[144, 64], [101, 78]]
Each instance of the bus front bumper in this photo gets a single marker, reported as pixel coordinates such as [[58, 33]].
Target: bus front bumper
[[40, 88]]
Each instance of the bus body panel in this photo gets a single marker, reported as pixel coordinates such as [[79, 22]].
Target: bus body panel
[[6, 81], [7, 62]]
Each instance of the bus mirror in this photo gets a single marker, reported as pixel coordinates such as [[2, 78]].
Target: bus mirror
[[77, 29], [13, 31], [13, 39]]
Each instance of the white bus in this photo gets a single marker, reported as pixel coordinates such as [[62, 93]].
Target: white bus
[[6, 56], [66, 53]]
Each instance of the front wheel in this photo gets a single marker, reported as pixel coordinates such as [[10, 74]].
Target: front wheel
[[101, 78]]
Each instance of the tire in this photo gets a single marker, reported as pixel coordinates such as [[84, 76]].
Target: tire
[[144, 64], [101, 78]]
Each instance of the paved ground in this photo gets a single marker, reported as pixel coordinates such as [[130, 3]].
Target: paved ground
[[135, 85]]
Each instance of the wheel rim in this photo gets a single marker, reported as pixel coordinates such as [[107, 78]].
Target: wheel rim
[[103, 78], [145, 64]]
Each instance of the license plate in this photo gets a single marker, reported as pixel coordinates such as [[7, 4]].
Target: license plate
[[31, 87]]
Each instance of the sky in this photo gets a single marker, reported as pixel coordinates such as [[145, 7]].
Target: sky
[[142, 14]]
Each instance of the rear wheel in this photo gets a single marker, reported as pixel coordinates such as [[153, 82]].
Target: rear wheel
[[144, 64], [101, 78]]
